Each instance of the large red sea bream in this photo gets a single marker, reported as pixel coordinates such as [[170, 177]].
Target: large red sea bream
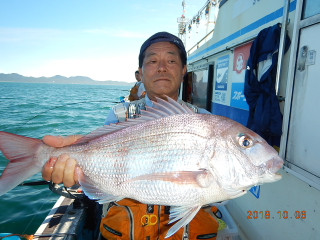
[[169, 156]]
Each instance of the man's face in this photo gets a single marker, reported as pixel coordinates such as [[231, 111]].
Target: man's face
[[162, 71], [138, 78]]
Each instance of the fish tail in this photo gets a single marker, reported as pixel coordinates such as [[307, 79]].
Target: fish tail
[[21, 152]]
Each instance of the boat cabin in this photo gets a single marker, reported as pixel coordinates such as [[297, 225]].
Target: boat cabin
[[275, 42]]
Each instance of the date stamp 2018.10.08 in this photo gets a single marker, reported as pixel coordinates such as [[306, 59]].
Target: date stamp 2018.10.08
[[277, 215]]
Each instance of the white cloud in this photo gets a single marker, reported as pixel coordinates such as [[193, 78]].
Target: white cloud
[[128, 34], [97, 31], [140, 7], [118, 33], [23, 34], [36, 34], [101, 69], [99, 62]]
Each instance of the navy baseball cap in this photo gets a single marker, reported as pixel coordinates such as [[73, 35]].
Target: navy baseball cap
[[163, 37]]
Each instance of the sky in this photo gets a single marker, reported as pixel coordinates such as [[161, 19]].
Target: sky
[[99, 39]]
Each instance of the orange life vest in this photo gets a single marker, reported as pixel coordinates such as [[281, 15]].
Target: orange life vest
[[129, 219], [134, 92]]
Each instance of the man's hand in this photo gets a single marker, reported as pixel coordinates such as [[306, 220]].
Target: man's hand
[[61, 169]]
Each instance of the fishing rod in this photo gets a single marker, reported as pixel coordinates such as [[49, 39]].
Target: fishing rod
[[55, 188], [35, 183]]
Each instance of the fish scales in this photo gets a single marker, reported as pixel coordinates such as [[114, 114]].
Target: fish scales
[[160, 146]]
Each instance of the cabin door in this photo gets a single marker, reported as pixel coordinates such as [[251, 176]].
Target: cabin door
[[302, 153], [197, 87]]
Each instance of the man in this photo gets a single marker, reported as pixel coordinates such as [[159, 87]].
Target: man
[[137, 76], [141, 91], [162, 65], [137, 90]]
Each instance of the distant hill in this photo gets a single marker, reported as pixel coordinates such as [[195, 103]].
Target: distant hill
[[14, 77]]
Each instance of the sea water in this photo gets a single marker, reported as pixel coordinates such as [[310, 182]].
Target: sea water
[[35, 110]]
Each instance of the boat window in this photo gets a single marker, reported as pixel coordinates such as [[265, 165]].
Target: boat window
[[199, 88], [187, 88], [310, 8]]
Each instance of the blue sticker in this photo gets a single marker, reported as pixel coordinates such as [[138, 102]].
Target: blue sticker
[[222, 73], [255, 191], [238, 99]]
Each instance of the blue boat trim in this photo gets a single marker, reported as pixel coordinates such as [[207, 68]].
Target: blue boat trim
[[264, 20], [236, 114]]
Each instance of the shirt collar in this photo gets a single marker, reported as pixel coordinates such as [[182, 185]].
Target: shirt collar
[[149, 102]]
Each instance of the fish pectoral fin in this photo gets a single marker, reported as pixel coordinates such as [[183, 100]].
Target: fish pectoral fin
[[185, 214], [88, 187], [205, 178], [201, 178]]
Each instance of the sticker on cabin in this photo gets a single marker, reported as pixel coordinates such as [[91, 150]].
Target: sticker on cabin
[[255, 191], [311, 58], [240, 58], [221, 83]]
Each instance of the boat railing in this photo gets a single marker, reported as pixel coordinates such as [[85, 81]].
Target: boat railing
[[230, 48], [198, 43]]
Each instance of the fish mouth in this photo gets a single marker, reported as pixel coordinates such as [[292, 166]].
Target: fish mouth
[[274, 164], [271, 166]]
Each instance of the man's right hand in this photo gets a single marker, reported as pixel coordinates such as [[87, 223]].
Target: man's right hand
[[62, 169]]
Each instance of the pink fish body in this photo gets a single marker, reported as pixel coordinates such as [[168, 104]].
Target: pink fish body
[[169, 156]]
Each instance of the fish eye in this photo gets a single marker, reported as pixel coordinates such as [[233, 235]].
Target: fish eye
[[245, 141]]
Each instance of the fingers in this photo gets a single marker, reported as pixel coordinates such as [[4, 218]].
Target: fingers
[[59, 141], [61, 170], [69, 170], [48, 168], [58, 169]]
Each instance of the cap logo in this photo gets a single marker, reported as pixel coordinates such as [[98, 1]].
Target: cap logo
[[176, 41]]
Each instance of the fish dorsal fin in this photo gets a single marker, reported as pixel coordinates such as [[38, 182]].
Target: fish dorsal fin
[[160, 109], [107, 129], [171, 106]]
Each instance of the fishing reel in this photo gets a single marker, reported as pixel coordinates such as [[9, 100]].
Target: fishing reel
[[73, 192]]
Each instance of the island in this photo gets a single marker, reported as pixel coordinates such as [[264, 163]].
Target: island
[[14, 77]]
